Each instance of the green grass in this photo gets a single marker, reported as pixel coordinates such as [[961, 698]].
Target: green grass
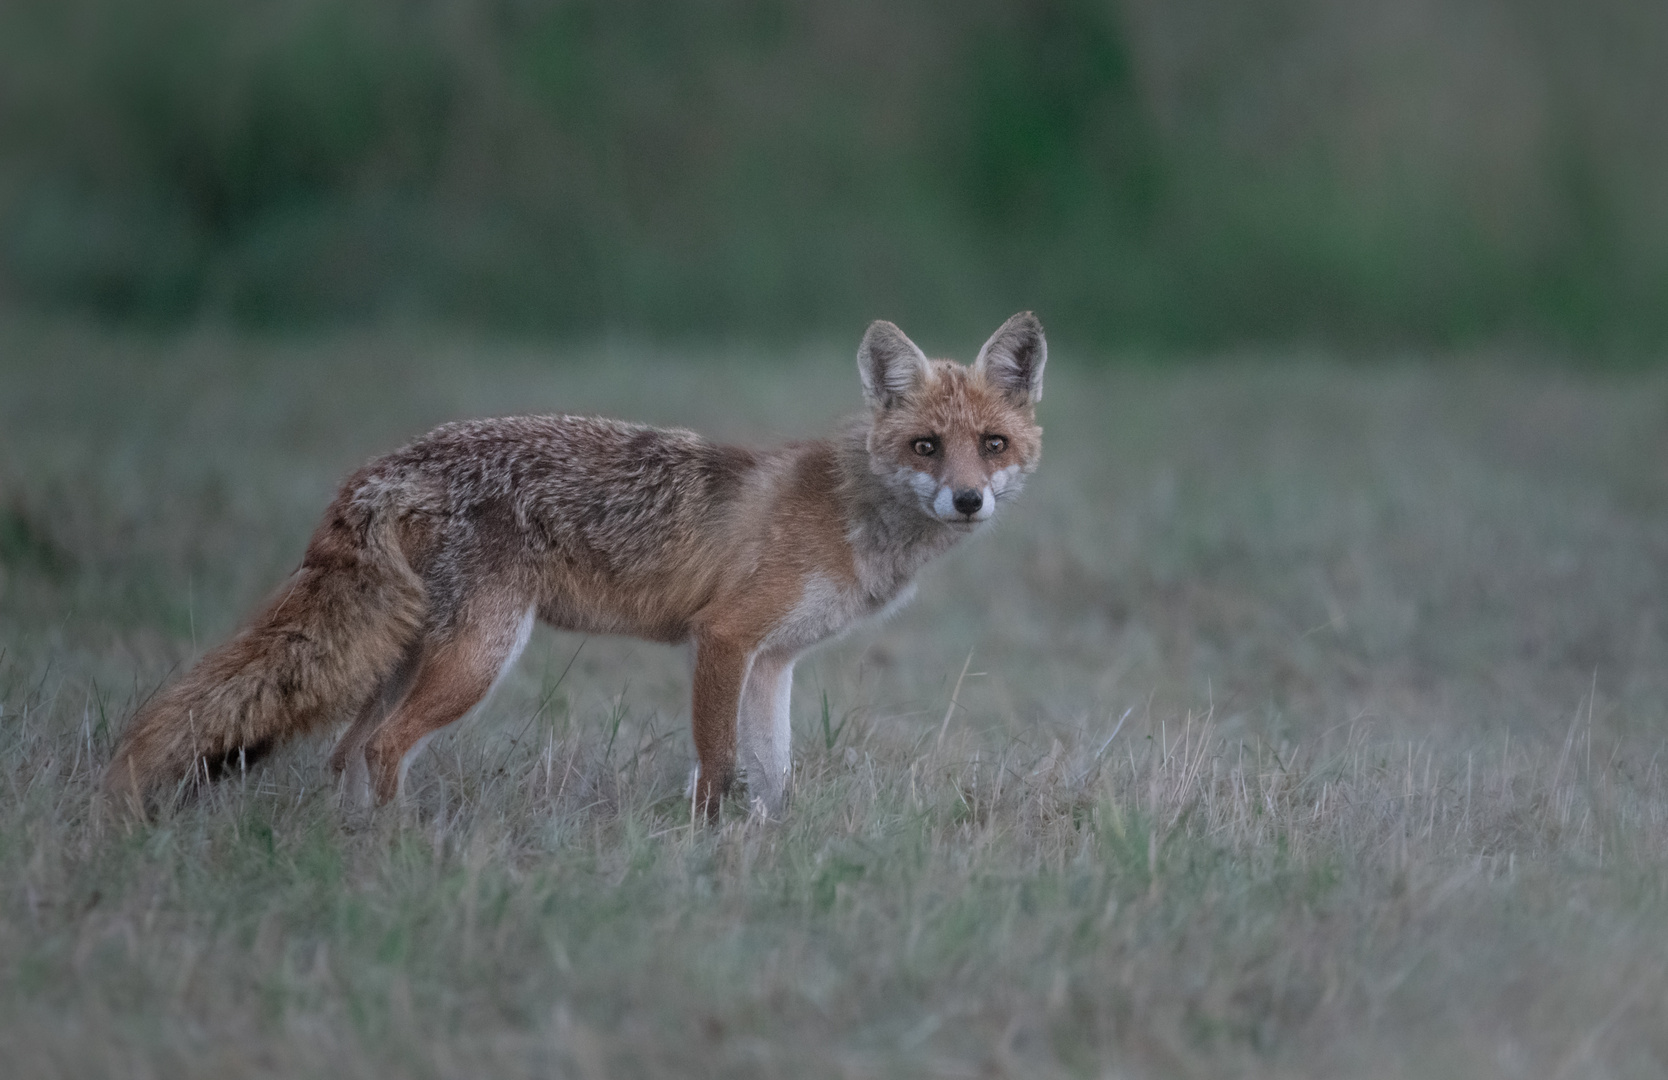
[[1314, 726]]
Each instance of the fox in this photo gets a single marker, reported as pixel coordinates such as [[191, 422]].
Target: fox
[[421, 585]]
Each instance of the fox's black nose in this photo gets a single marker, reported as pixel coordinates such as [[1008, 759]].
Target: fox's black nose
[[967, 501]]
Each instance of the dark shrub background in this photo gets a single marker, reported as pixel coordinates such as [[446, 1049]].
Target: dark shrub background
[[1187, 173]]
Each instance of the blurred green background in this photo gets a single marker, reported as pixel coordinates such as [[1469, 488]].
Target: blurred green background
[[1167, 173]]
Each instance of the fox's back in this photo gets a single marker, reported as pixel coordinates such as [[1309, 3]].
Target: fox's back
[[587, 499]]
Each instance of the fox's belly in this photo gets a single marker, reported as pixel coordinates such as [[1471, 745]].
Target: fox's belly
[[653, 610]]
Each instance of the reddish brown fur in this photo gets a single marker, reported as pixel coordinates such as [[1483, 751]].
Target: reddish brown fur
[[324, 640], [418, 588]]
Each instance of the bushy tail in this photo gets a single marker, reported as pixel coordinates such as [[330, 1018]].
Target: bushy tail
[[322, 645]]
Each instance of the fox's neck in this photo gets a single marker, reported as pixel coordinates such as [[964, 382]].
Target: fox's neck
[[890, 537]]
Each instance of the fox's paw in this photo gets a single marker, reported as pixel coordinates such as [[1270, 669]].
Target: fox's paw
[[353, 787]]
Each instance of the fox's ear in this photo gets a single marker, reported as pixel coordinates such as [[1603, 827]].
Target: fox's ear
[[1012, 360], [889, 364]]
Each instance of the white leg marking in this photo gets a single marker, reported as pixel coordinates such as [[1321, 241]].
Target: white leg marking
[[766, 734], [405, 762], [356, 782], [523, 634]]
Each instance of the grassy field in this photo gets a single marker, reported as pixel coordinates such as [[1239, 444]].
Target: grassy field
[[1312, 724]]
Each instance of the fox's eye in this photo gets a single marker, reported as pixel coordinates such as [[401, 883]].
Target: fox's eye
[[995, 444], [926, 447]]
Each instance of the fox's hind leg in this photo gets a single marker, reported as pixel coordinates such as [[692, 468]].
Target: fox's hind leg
[[457, 668], [347, 759]]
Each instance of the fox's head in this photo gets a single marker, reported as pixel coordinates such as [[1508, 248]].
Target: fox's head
[[955, 440]]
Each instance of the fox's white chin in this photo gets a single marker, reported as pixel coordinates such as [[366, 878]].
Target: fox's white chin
[[959, 521]]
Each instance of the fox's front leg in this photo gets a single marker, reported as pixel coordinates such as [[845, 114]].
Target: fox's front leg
[[766, 756], [721, 669]]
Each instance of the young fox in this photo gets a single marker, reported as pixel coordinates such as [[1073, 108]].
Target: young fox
[[420, 587]]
